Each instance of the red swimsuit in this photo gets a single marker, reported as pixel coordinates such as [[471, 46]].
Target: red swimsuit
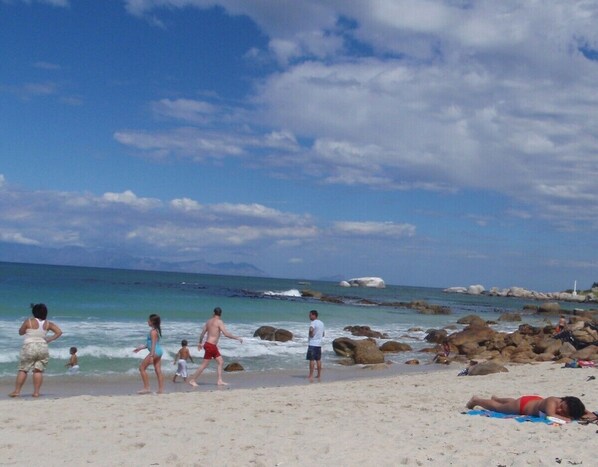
[[524, 400]]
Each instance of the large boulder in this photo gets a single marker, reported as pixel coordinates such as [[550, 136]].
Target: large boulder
[[472, 334], [375, 282], [510, 317], [344, 346], [367, 353], [472, 319], [475, 289], [234, 366], [394, 346], [588, 353], [364, 351], [436, 335], [549, 307], [269, 333], [486, 368]]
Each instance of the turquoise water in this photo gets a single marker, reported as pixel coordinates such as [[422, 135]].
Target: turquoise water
[[103, 312]]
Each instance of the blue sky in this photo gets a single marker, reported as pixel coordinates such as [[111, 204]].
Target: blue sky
[[432, 143]]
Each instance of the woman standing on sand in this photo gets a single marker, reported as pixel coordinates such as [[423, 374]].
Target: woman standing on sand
[[154, 357], [34, 353]]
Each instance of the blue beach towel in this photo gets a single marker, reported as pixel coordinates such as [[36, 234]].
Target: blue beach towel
[[518, 418]]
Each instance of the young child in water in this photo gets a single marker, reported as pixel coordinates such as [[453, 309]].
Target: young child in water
[[73, 364], [180, 360], [154, 357]]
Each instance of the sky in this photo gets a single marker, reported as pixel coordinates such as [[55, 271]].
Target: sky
[[427, 142]]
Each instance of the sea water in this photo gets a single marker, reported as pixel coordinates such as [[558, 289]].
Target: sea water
[[103, 312]]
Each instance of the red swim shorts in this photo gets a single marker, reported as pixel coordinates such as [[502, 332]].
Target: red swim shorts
[[211, 351]]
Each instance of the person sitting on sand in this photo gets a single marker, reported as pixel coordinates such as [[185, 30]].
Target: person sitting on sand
[[561, 326], [73, 364], [565, 408], [180, 360]]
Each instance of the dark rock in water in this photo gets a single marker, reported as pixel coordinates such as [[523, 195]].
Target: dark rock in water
[[331, 299], [436, 336], [343, 346], [363, 351], [394, 346], [311, 294], [510, 317], [364, 331], [367, 353], [549, 307], [234, 366], [486, 368], [412, 362], [269, 333]]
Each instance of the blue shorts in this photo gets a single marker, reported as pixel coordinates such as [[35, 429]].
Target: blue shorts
[[314, 353]]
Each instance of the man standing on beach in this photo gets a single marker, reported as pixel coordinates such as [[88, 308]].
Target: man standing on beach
[[314, 345], [213, 328]]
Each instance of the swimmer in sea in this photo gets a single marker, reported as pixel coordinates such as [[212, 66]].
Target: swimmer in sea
[[73, 364], [565, 408]]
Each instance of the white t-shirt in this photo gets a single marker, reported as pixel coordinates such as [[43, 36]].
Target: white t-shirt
[[316, 340]]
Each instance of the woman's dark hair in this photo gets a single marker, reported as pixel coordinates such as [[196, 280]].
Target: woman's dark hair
[[155, 320], [575, 406], [39, 310]]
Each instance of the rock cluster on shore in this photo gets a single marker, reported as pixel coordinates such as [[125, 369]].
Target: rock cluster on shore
[[528, 344], [520, 292]]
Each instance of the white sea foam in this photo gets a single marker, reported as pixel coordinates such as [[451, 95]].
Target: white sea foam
[[284, 293]]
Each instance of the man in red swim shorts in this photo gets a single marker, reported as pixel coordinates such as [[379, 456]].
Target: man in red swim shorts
[[566, 408], [213, 328]]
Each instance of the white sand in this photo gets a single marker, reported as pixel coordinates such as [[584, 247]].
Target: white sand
[[403, 420]]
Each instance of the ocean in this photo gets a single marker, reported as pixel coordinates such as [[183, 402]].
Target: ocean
[[103, 312]]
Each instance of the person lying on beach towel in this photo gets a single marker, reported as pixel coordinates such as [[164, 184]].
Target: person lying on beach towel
[[565, 408]]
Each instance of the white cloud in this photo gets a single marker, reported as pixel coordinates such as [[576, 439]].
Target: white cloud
[[16, 237], [187, 110], [147, 226], [375, 229], [443, 95], [192, 143], [129, 198]]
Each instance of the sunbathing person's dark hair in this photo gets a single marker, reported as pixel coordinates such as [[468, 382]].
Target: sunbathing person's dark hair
[[575, 406]]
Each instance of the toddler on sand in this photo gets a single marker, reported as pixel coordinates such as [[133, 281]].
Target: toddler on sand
[[180, 360]]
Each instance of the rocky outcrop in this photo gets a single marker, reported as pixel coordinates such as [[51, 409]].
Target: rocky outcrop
[[528, 344], [520, 292], [269, 333], [376, 282]]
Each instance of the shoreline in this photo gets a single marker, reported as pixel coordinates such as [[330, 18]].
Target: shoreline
[[415, 419], [66, 386]]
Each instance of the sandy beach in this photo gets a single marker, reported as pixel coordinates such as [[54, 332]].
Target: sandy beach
[[411, 419]]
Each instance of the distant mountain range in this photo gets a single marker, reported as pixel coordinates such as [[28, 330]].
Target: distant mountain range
[[78, 256]]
